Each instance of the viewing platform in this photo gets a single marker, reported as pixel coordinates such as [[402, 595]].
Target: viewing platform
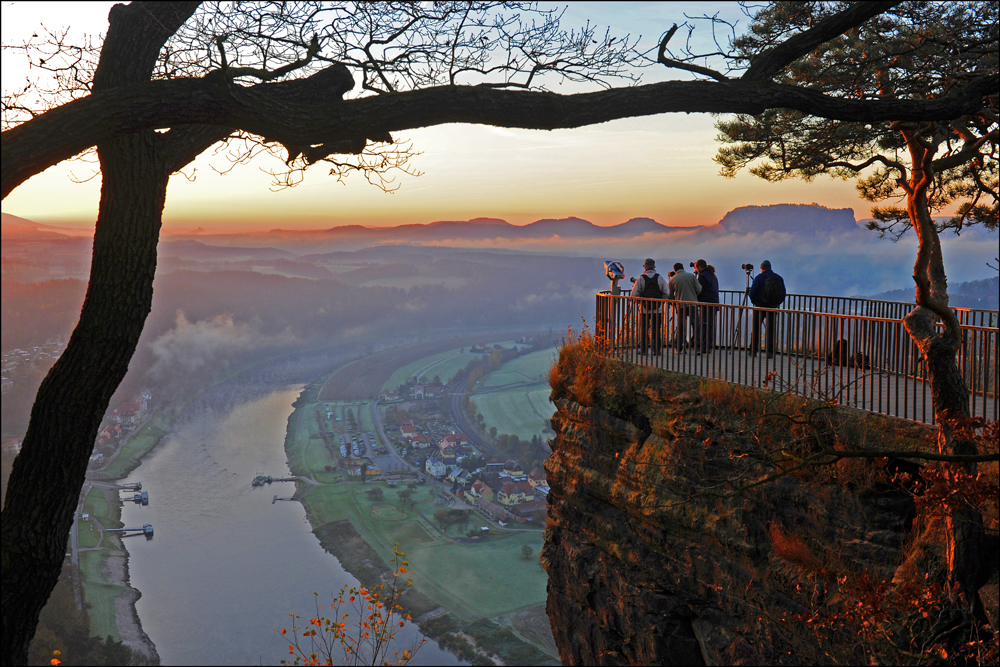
[[855, 352]]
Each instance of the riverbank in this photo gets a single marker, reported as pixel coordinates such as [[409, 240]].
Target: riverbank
[[479, 598], [130, 632], [104, 558]]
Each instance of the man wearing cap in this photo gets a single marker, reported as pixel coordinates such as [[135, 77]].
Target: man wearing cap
[[684, 287], [650, 285], [767, 291]]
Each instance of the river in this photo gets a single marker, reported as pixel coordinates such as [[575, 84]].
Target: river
[[226, 566]]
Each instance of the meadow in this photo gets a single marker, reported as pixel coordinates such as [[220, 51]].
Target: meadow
[[471, 578], [528, 368], [443, 365], [519, 411], [523, 410]]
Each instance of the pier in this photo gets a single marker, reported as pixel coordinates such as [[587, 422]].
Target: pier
[[147, 530], [261, 480]]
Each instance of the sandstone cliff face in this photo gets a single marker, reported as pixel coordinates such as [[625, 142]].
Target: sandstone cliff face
[[644, 568]]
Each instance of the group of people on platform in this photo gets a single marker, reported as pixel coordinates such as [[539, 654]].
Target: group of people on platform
[[687, 292]]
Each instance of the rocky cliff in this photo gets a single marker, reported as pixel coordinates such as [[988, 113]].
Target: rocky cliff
[[651, 560]]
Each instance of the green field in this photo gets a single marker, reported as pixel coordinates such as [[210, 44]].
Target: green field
[[519, 411], [100, 595], [444, 365], [528, 368], [88, 534], [307, 454], [409, 370], [473, 580]]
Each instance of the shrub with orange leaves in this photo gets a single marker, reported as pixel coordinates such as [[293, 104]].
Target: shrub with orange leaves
[[907, 617], [369, 639]]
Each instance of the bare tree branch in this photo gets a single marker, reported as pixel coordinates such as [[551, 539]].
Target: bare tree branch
[[764, 66], [661, 57], [65, 131]]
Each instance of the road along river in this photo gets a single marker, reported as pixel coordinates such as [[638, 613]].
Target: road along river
[[227, 566]]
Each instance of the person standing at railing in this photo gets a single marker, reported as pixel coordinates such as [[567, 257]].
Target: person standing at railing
[[650, 285], [705, 324], [684, 288], [767, 291]]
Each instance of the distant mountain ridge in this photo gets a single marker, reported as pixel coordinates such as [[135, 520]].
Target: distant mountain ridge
[[789, 218], [983, 294], [792, 218]]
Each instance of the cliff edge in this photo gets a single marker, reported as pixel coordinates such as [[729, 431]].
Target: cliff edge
[[651, 558]]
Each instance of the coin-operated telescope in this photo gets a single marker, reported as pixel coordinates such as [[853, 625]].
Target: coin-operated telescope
[[615, 272]]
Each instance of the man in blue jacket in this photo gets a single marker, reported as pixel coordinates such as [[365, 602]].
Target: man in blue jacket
[[705, 324], [767, 291]]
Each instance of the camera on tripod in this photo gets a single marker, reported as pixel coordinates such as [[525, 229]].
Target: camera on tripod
[[747, 267]]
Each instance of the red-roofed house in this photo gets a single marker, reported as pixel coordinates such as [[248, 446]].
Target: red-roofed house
[[514, 493], [481, 489], [420, 441], [536, 477]]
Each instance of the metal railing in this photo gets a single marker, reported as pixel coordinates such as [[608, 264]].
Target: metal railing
[[862, 361], [850, 305]]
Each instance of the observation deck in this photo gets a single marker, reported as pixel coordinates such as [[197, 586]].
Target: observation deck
[[854, 352]]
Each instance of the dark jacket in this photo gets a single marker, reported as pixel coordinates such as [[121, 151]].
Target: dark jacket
[[709, 287], [757, 289]]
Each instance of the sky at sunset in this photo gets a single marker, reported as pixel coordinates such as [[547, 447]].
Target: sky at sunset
[[658, 167]]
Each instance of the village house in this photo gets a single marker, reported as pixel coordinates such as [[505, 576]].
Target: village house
[[420, 441], [128, 415], [514, 493], [478, 348], [492, 511], [12, 445], [449, 460], [526, 511], [435, 468], [536, 477], [433, 390], [481, 489], [460, 476], [407, 429], [512, 471], [541, 492], [454, 439], [392, 397]]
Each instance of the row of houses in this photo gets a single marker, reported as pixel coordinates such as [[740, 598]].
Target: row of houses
[[119, 422], [415, 390]]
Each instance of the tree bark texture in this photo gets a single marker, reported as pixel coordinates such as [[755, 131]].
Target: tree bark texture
[[266, 110], [967, 569], [48, 474]]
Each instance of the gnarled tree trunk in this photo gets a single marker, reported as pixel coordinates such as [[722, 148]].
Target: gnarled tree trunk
[[48, 474], [967, 571]]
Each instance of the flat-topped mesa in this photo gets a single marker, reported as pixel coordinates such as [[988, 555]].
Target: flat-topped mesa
[[789, 218], [648, 564]]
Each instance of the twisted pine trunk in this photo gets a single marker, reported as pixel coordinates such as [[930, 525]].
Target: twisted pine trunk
[[967, 568]]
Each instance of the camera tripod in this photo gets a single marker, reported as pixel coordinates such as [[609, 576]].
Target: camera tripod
[[739, 319]]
